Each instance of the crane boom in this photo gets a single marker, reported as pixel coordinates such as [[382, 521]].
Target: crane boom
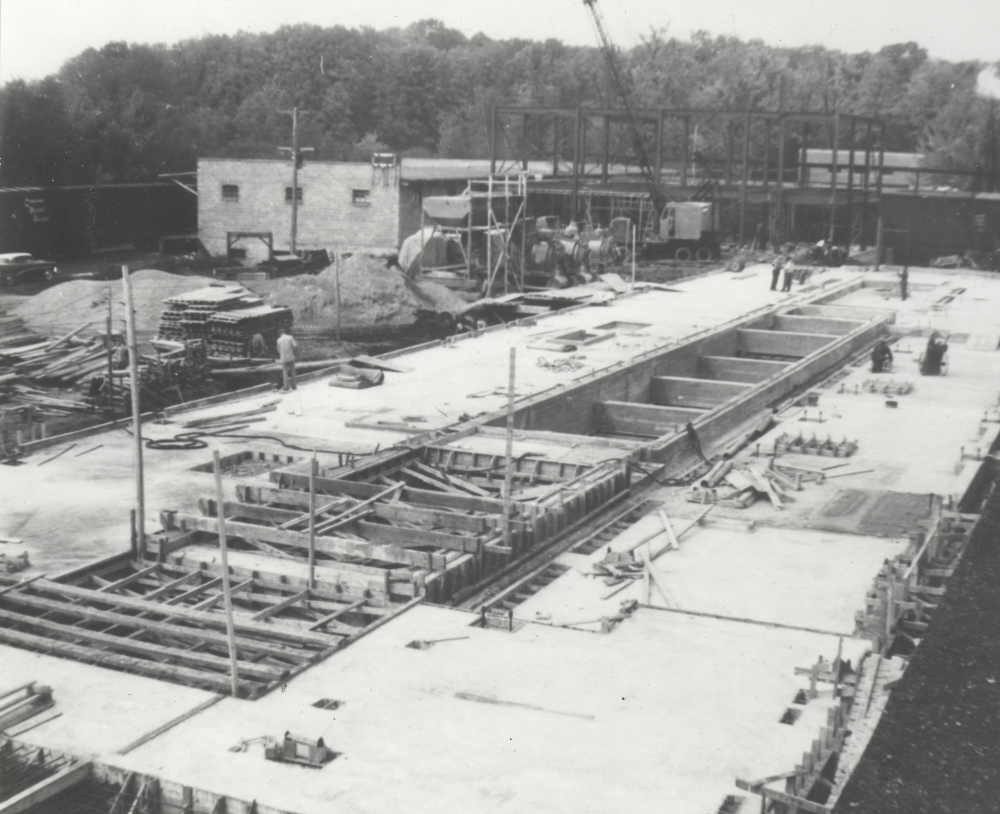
[[618, 78]]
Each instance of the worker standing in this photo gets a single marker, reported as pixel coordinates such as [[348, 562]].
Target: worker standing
[[789, 268], [881, 357], [286, 355], [776, 270]]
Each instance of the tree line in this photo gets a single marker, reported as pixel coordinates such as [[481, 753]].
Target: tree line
[[129, 112]]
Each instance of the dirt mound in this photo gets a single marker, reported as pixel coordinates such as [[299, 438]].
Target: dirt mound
[[370, 293], [68, 305]]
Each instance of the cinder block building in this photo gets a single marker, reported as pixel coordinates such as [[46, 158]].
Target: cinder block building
[[348, 205]]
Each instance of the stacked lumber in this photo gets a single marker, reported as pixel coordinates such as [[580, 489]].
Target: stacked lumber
[[13, 332], [225, 317]]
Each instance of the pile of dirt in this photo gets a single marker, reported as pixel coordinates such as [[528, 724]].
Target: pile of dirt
[[370, 292], [69, 305]]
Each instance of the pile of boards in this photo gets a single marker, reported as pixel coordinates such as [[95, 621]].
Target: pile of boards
[[61, 362], [227, 318], [14, 332], [737, 487]]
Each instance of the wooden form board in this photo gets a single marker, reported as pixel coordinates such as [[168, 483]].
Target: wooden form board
[[801, 323], [650, 420], [781, 343], [699, 394], [165, 620], [735, 369]]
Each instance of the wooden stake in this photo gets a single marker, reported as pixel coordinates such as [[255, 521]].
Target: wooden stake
[[133, 364], [226, 592], [314, 466], [508, 472], [111, 375], [336, 274]]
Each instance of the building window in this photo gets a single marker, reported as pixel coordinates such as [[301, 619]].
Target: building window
[[288, 194], [230, 192], [361, 197], [979, 222]]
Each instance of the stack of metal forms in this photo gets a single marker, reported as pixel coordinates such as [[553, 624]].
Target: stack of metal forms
[[226, 318]]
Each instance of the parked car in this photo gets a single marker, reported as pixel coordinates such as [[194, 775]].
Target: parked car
[[17, 267]]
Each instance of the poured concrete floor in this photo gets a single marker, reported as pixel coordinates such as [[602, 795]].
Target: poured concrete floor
[[662, 714]]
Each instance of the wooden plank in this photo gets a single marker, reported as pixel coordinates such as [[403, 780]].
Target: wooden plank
[[211, 602], [336, 546], [183, 633], [438, 539], [704, 394], [199, 589], [782, 343], [412, 514], [360, 489], [294, 599], [205, 619], [46, 789], [797, 803], [172, 585], [650, 420], [155, 733], [116, 660], [738, 369], [319, 623], [156, 651], [126, 581]]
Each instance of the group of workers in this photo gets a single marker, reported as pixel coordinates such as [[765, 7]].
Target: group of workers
[[783, 263], [932, 363]]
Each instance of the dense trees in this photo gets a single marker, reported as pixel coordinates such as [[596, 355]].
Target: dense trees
[[127, 112]]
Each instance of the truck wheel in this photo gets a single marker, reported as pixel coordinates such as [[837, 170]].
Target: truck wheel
[[682, 253], [703, 254]]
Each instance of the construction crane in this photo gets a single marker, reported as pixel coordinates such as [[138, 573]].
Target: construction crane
[[624, 92], [683, 230]]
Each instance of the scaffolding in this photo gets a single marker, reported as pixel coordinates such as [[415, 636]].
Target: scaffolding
[[486, 225]]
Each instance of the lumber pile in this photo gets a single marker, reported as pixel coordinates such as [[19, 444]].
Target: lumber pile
[[13, 332], [226, 318]]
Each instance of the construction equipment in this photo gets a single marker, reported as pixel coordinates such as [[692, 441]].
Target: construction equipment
[[300, 750], [682, 230]]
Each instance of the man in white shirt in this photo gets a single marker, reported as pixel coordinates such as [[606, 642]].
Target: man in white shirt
[[286, 355]]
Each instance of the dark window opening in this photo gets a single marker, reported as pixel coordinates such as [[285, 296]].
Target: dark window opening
[[288, 194], [361, 197], [230, 192]]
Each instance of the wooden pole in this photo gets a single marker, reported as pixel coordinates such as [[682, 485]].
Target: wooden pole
[[336, 273], [878, 243], [295, 179], [509, 470], [111, 375], [314, 466], [635, 229], [744, 177], [133, 364], [226, 592]]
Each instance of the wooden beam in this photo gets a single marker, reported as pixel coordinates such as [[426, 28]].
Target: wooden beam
[[46, 789], [199, 589], [212, 601], [736, 369], [198, 617], [438, 539], [649, 420], [103, 657], [156, 651], [294, 599], [360, 489], [799, 323], [183, 633], [327, 545], [336, 615], [704, 394], [134, 577], [172, 585], [781, 343], [390, 511]]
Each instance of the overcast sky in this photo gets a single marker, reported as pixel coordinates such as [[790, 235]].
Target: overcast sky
[[37, 36]]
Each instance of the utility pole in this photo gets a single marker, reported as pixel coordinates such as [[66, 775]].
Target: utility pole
[[295, 153]]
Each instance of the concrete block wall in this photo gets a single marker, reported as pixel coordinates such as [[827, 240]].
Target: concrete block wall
[[328, 215]]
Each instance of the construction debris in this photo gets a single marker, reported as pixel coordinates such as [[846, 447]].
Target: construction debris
[[21, 703]]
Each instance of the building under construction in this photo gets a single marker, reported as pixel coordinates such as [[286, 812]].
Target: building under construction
[[670, 548]]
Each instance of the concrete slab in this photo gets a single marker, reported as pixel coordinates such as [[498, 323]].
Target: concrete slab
[[597, 723]]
